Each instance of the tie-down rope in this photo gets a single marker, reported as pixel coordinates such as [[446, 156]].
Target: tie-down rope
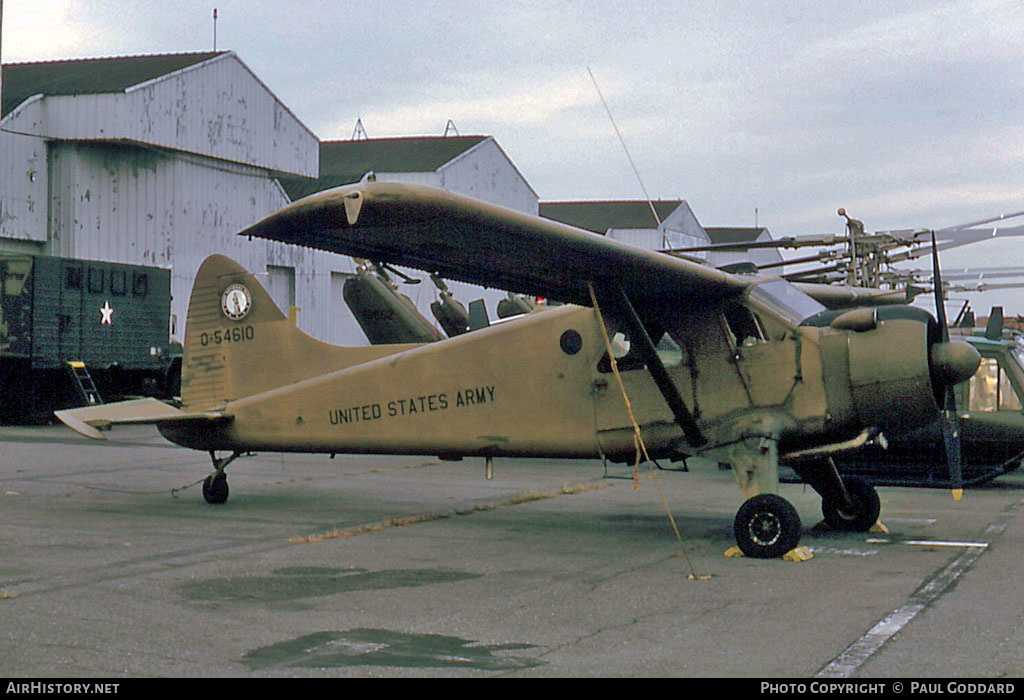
[[638, 441]]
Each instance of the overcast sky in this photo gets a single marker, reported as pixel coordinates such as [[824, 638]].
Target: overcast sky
[[908, 114]]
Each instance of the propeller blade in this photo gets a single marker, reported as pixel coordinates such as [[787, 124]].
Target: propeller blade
[[951, 438], [940, 306], [950, 419]]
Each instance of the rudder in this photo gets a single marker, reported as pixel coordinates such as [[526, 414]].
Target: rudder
[[230, 316], [238, 343]]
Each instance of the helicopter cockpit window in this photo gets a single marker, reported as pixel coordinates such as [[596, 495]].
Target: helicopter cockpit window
[[744, 325], [991, 390]]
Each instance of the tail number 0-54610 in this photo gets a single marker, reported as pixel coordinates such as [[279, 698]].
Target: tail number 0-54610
[[237, 334]]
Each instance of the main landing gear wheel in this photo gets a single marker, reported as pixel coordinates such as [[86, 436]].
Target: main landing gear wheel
[[215, 488], [862, 511], [767, 526]]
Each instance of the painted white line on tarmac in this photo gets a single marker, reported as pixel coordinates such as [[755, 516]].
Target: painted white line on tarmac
[[858, 653]]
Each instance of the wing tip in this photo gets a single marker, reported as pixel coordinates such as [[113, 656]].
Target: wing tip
[[68, 418]]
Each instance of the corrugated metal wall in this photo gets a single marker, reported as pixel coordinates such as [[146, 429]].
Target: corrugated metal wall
[[23, 172], [217, 109], [131, 204], [167, 174], [485, 172]]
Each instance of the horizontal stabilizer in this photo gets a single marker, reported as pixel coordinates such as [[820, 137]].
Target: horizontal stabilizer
[[89, 421]]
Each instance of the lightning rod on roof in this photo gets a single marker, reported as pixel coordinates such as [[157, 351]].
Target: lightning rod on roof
[[215, 29]]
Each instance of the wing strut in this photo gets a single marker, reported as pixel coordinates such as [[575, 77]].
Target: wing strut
[[649, 354]]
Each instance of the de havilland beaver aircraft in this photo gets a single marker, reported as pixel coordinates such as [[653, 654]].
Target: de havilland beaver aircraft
[[740, 369]]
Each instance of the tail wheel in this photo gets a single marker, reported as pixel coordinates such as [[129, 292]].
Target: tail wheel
[[767, 526], [215, 488], [857, 516]]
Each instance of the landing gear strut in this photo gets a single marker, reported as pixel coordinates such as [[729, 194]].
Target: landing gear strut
[[766, 526], [215, 488], [850, 504], [857, 512]]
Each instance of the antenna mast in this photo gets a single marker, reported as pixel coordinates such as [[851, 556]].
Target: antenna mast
[[629, 157], [215, 29]]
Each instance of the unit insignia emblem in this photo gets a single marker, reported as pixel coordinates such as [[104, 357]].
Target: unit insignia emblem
[[236, 302]]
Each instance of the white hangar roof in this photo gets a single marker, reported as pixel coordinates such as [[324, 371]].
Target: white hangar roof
[[209, 104]]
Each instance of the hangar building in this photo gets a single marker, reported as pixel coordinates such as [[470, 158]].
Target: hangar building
[[155, 160], [162, 159], [475, 166], [758, 256], [633, 222]]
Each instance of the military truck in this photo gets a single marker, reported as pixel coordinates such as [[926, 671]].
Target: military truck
[[76, 332]]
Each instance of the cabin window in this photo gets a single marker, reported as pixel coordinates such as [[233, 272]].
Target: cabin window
[[745, 328], [627, 356]]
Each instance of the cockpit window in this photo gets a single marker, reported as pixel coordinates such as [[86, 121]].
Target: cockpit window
[[744, 325], [781, 299]]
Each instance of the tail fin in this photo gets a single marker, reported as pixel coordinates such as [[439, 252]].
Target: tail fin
[[238, 343], [478, 315], [994, 328]]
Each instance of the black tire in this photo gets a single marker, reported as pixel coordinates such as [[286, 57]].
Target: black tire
[[215, 488], [767, 526], [863, 514]]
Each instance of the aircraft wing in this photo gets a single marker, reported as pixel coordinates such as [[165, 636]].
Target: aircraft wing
[[465, 239], [89, 420]]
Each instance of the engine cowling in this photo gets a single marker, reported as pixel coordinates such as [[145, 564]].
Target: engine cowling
[[897, 359]]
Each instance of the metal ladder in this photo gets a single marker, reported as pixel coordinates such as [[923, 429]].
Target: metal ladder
[[82, 381]]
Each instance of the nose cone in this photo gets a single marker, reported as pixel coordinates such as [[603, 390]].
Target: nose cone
[[954, 361]]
